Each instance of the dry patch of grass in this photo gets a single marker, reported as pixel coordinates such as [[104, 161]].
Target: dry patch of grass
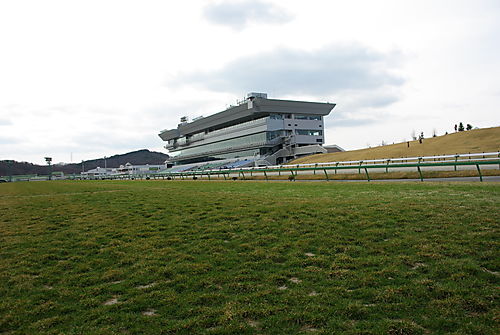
[[473, 141]]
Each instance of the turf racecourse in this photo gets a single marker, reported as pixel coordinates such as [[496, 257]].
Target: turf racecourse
[[195, 257]]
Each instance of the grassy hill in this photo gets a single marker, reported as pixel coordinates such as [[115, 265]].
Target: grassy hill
[[473, 141]]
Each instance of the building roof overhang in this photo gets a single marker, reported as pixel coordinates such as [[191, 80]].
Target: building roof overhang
[[256, 108]]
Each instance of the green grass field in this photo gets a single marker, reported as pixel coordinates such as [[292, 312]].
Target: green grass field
[[196, 257]]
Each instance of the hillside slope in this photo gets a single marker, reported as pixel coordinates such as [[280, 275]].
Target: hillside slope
[[473, 141], [135, 157]]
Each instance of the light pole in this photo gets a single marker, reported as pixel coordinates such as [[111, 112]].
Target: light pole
[[105, 168], [10, 163], [49, 160]]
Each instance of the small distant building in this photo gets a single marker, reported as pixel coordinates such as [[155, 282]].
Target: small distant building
[[333, 148], [129, 169], [57, 175], [98, 173], [122, 170]]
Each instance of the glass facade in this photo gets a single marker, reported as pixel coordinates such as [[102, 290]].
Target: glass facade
[[234, 143], [237, 127], [243, 153]]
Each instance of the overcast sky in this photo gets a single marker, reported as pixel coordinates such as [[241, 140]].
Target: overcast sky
[[87, 79]]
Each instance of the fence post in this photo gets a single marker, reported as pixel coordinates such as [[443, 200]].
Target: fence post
[[387, 166], [479, 170], [420, 173], [359, 168], [456, 160], [367, 175], [315, 166], [336, 166], [326, 174], [265, 174]]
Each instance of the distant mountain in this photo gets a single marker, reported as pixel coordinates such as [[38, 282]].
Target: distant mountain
[[135, 157]]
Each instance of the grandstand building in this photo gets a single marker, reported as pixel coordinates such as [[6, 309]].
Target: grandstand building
[[258, 130]]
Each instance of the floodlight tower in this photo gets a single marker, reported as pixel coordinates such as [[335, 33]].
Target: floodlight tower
[[49, 161]]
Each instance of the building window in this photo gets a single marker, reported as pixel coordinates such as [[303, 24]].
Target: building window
[[308, 132], [307, 117], [273, 134]]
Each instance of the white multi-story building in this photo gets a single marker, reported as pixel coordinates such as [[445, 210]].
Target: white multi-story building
[[266, 131]]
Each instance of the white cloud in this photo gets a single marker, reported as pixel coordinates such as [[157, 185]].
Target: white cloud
[[324, 72], [5, 122], [238, 14]]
